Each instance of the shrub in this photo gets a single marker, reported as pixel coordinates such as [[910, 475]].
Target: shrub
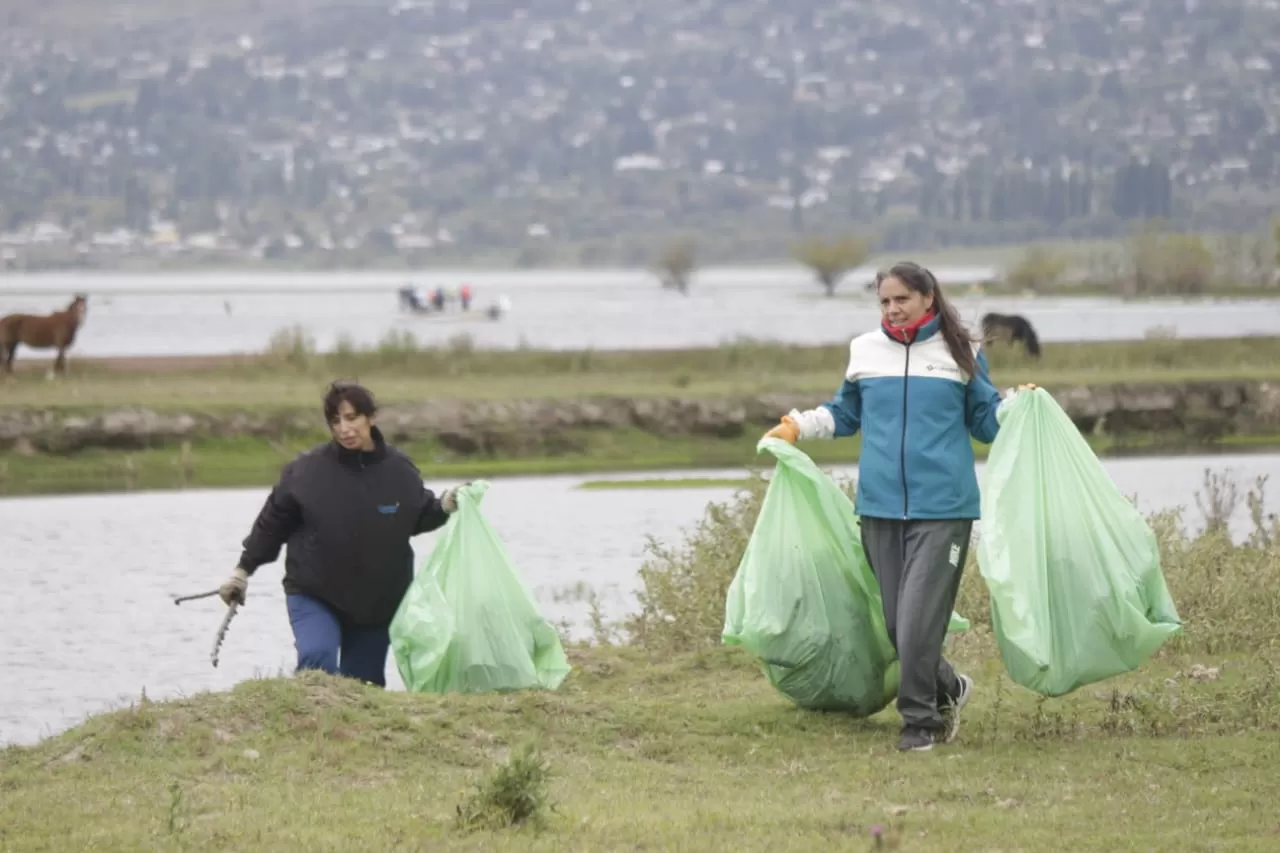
[[1227, 592], [684, 587], [1041, 269]]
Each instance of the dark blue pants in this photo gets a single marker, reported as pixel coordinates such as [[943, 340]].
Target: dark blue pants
[[326, 643]]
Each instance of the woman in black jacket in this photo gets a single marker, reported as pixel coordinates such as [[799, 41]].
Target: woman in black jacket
[[346, 509]]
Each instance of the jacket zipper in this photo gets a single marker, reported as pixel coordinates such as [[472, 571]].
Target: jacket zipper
[[902, 451], [362, 486]]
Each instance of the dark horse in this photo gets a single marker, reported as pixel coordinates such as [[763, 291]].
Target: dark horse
[[1011, 327], [54, 330]]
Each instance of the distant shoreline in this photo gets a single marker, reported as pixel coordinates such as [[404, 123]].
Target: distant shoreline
[[1089, 361]]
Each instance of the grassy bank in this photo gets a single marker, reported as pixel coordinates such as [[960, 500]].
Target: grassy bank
[[663, 740], [292, 375], [689, 753], [214, 463]]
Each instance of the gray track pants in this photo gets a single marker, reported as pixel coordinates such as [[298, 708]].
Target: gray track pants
[[918, 564]]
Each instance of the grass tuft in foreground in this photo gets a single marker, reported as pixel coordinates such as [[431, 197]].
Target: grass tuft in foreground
[[670, 741]]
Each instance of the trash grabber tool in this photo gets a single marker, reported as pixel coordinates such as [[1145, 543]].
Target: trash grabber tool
[[222, 631], [178, 599]]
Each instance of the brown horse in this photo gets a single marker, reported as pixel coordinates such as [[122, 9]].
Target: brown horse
[[54, 330]]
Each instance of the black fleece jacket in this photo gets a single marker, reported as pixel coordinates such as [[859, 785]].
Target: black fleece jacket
[[347, 517]]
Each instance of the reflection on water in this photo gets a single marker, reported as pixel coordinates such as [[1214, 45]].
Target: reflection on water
[[87, 620]]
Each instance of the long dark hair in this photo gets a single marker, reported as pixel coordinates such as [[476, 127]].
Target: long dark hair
[[921, 280]]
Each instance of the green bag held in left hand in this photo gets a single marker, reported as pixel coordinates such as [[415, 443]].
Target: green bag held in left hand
[[468, 623], [1072, 567]]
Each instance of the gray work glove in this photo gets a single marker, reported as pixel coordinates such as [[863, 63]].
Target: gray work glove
[[449, 499], [234, 588]]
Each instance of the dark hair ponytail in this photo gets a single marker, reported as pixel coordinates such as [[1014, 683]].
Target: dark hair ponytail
[[921, 280]]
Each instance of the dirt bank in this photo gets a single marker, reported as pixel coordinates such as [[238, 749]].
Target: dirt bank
[[1201, 412]]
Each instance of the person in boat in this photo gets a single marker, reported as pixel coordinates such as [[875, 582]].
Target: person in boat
[[437, 299], [464, 297], [918, 389], [346, 510]]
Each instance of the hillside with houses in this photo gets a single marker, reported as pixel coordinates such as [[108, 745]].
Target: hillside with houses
[[343, 133]]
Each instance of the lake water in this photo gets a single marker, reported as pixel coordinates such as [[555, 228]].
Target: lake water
[[217, 313], [87, 621]]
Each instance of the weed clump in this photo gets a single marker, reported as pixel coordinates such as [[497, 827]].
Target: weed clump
[[514, 794]]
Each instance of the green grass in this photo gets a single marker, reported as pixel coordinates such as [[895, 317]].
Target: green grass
[[694, 752], [246, 461], [665, 740], [401, 372], [292, 392], [288, 381]]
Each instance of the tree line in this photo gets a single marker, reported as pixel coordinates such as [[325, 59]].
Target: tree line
[[1139, 189], [1156, 259]]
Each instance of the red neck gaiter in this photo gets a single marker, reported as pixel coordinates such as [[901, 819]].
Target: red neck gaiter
[[907, 334]]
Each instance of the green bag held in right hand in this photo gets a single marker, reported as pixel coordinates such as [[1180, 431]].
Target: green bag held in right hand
[[468, 623], [1073, 569]]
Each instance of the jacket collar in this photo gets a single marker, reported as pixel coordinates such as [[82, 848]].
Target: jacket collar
[[923, 328], [361, 458]]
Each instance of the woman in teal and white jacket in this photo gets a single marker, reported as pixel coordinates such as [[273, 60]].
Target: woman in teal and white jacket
[[917, 389]]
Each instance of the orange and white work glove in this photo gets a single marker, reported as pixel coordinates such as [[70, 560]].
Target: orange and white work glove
[[787, 430]]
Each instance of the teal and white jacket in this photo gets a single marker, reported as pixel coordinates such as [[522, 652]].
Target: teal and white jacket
[[916, 410]]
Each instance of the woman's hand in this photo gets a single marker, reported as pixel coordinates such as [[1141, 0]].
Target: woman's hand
[[235, 588], [787, 430]]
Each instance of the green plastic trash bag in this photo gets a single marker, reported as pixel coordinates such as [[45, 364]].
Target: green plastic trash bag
[[1073, 569], [804, 600], [468, 623]]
